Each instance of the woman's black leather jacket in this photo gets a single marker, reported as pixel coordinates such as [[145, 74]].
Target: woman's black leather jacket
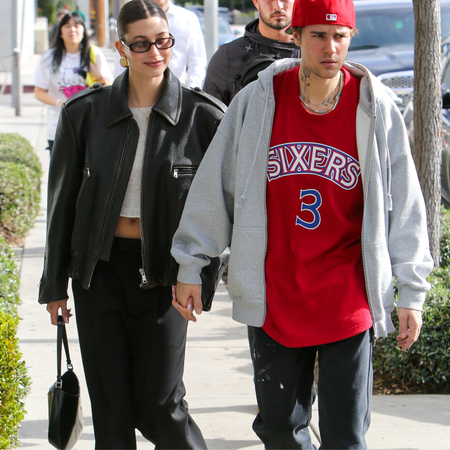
[[91, 162]]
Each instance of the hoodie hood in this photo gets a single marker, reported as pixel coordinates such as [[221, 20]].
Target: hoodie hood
[[371, 87]]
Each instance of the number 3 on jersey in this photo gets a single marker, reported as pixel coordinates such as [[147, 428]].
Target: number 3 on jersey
[[312, 207]]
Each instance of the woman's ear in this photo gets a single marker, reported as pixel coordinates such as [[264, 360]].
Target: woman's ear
[[119, 48]]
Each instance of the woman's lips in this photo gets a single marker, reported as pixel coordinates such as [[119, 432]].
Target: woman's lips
[[154, 63]]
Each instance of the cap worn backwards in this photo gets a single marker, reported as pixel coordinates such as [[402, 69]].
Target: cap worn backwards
[[323, 12]]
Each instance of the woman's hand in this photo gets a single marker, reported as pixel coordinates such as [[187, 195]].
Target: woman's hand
[[186, 298], [95, 71], [54, 307]]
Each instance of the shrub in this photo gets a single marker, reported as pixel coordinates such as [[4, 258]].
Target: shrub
[[19, 200], [9, 280], [16, 149], [425, 367], [14, 382]]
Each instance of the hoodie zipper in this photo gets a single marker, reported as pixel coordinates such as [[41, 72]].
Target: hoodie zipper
[[369, 300], [111, 202]]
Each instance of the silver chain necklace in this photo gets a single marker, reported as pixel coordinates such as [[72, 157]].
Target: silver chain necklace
[[333, 105]]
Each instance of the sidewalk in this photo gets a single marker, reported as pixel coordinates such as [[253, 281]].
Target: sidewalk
[[218, 373]]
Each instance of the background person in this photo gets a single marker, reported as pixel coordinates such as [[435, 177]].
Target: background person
[[52, 33], [264, 35], [189, 60], [311, 179], [62, 69], [123, 161]]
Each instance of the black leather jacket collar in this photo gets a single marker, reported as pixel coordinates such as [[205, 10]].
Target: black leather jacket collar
[[168, 105]]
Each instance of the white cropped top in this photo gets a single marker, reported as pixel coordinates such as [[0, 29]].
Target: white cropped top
[[131, 206]]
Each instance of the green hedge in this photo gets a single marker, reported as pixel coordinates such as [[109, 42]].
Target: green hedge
[[16, 149], [9, 280], [14, 382], [425, 367], [19, 204], [19, 186], [19, 200]]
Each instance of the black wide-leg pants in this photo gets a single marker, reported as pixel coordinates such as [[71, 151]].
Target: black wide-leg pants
[[284, 383], [133, 346]]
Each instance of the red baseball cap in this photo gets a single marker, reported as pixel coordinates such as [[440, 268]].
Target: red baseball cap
[[323, 12]]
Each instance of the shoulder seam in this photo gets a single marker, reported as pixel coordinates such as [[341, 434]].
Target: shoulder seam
[[215, 101]]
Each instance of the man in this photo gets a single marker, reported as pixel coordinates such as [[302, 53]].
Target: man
[[310, 177], [59, 15], [265, 35], [189, 52]]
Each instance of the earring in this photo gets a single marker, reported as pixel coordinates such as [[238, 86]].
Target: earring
[[123, 62]]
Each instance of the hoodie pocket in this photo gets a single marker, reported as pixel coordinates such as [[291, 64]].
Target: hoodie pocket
[[378, 272], [246, 266]]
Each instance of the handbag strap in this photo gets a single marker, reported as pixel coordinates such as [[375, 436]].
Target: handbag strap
[[61, 337]]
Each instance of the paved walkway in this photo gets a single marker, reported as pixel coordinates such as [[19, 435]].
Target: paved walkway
[[218, 373]]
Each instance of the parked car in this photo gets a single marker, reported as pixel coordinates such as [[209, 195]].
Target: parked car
[[385, 41], [225, 33], [223, 12], [408, 116]]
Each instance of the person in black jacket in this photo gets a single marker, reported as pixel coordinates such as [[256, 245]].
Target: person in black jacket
[[265, 35], [123, 160]]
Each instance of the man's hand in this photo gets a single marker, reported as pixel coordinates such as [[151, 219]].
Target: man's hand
[[54, 307], [186, 298], [410, 321]]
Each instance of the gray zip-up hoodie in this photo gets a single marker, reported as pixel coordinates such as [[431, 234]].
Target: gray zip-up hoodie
[[227, 203]]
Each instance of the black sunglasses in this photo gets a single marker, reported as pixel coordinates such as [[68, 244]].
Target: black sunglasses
[[145, 46]]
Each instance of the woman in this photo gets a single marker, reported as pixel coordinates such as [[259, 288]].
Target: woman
[[123, 160], [63, 69]]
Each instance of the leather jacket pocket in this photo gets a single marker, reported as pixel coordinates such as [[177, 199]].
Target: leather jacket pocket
[[178, 171]]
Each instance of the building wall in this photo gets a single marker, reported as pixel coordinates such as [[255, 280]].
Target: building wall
[[25, 28]]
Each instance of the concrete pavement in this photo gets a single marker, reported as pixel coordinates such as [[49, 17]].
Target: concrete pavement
[[218, 373]]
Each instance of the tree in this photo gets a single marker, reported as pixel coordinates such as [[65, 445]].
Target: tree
[[427, 112]]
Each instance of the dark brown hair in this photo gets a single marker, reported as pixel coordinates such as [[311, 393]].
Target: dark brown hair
[[136, 10], [58, 43], [298, 30]]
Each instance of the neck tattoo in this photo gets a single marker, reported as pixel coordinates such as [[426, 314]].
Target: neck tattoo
[[340, 86]]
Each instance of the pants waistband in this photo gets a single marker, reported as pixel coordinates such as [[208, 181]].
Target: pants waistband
[[126, 245]]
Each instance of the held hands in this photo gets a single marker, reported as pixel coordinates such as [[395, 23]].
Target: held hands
[[186, 298], [410, 321], [53, 309]]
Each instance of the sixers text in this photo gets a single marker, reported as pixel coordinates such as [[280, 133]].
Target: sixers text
[[310, 158]]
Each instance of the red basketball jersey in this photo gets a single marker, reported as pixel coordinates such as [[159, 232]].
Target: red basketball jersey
[[315, 286]]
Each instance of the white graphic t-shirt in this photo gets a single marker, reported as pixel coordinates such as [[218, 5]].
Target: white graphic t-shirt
[[66, 81]]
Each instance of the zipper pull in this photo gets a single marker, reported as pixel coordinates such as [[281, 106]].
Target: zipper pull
[[88, 172], [175, 173], [144, 278]]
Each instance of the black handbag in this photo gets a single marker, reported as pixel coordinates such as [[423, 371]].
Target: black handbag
[[65, 415], [211, 275]]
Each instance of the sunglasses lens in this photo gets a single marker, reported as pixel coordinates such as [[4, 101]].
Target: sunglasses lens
[[163, 43], [140, 47]]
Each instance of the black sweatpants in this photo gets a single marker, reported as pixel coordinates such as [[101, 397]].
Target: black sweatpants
[[133, 346], [284, 383]]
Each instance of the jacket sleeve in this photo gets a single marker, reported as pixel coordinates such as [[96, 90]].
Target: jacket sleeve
[[65, 175], [408, 236], [206, 224], [217, 75]]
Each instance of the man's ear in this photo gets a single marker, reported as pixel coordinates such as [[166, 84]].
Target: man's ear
[[296, 37], [255, 2]]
